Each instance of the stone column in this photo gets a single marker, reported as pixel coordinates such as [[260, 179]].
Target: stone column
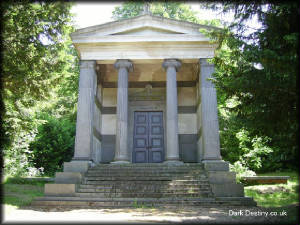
[[172, 153], [121, 153], [209, 120], [66, 182], [85, 110]]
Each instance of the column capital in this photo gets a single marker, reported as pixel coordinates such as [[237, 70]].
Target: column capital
[[171, 63], [87, 64], [124, 63], [203, 62]]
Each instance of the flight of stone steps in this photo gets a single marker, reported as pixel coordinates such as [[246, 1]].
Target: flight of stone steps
[[139, 185]]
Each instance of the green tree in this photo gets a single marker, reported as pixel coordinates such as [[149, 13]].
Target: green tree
[[168, 9], [258, 70], [39, 72], [53, 145], [34, 42]]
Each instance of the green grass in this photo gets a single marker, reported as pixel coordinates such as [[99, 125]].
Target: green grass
[[18, 192], [285, 198]]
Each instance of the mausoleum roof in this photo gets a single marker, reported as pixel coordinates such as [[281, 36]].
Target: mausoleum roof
[[143, 25], [143, 37], [146, 20]]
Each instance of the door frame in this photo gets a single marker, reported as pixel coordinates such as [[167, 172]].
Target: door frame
[[149, 115], [144, 106]]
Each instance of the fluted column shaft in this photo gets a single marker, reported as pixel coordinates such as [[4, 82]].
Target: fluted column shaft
[[172, 153], [121, 152], [85, 110], [209, 112]]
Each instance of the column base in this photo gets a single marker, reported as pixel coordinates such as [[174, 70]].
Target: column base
[[68, 177], [120, 162], [80, 166], [215, 165], [173, 162]]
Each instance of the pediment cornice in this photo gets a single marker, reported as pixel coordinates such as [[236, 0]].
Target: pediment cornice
[[141, 25]]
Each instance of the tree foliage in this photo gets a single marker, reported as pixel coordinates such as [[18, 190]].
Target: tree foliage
[[169, 9], [53, 145], [258, 71], [39, 73]]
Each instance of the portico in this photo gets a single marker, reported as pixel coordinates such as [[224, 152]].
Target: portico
[[146, 64]]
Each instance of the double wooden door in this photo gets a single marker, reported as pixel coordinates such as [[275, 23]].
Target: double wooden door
[[148, 137]]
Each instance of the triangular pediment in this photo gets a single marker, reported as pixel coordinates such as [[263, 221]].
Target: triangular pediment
[[141, 25], [146, 31]]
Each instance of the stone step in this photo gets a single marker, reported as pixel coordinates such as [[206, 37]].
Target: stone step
[[149, 182], [143, 173], [135, 166], [152, 173], [133, 177], [141, 170], [118, 190], [147, 171], [114, 178], [140, 186], [149, 165], [135, 202], [143, 178], [143, 195], [171, 169], [160, 190]]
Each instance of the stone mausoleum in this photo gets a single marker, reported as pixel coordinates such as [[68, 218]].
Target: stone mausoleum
[[144, 93], [146, 98]]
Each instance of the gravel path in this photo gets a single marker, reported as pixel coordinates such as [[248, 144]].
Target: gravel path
[[187, 215]]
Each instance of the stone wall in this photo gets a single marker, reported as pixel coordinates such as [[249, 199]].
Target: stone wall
[[199, 127], [149, 100], [97, 122]]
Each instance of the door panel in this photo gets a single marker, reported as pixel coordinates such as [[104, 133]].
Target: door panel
[[156, 137], [148, 141], [140, 137]]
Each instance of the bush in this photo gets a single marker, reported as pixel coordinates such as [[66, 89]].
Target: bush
[[252, 149], [241, 171], [53, 144], [238, 145], [16, 156]]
